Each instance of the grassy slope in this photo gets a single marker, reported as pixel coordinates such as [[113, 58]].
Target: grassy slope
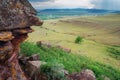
[[97, 32], [72, 62]]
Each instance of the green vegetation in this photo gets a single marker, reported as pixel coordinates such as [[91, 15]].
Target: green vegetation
[[71, 62], [78, 39], [114, 52], [54, 71], [99, 32]]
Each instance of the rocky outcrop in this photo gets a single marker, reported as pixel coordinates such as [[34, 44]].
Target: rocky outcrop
[[83, 75], [16, 17], [17, 14], [31, 66]]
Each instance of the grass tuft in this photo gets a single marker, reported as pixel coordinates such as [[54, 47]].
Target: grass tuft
[[115, 53]]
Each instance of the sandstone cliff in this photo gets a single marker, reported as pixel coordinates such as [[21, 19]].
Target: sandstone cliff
[[16, 17]]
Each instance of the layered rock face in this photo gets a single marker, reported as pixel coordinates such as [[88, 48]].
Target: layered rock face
[[16, 17]]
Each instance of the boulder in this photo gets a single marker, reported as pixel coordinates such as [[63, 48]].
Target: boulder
[[44, 44], [34, 57], [64, 48], [17, 14], [83, 75], [32, 68]]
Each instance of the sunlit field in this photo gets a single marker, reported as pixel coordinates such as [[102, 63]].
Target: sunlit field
[[100, 33]]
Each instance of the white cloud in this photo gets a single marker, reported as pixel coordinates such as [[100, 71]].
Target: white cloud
[[99, 4], [64, 4], [75, 3]]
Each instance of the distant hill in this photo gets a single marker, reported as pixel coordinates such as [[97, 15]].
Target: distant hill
[[79, 9], [117, 12], [58, 13]]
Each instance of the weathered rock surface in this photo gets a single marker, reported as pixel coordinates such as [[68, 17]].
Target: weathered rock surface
[[31, 66], [16, 17], [6, 36], [83, 75], [17, 14]]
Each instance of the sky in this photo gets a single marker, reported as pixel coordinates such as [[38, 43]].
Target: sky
[[58, 4]]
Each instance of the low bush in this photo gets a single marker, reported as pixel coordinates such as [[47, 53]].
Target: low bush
[[78, 39]]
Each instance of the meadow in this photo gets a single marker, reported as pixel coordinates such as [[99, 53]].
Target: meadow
[[99, 33], [99, 49]]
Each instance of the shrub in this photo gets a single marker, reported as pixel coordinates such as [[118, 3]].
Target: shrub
[[53, 71], [78, 39]]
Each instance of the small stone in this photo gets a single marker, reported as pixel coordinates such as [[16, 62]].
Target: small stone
[[36, 64], [87, 75], [83, 75]]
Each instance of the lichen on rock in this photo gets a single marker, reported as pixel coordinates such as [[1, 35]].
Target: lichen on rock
[[16, 17], [17, 14]]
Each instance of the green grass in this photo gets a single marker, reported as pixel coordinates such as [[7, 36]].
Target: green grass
[[53, 71], [72, 62], [115, 53], [98, 33]]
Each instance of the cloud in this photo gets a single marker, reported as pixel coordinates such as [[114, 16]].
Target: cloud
[[99, 4], [38, 0], [107, 4], [63, 4]]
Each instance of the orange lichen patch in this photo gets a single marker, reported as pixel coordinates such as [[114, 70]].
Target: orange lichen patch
[[23, 31], [6, 36]]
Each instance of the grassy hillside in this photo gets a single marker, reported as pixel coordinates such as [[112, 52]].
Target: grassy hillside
[[103, 29], [72, 62], [99, 33]]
